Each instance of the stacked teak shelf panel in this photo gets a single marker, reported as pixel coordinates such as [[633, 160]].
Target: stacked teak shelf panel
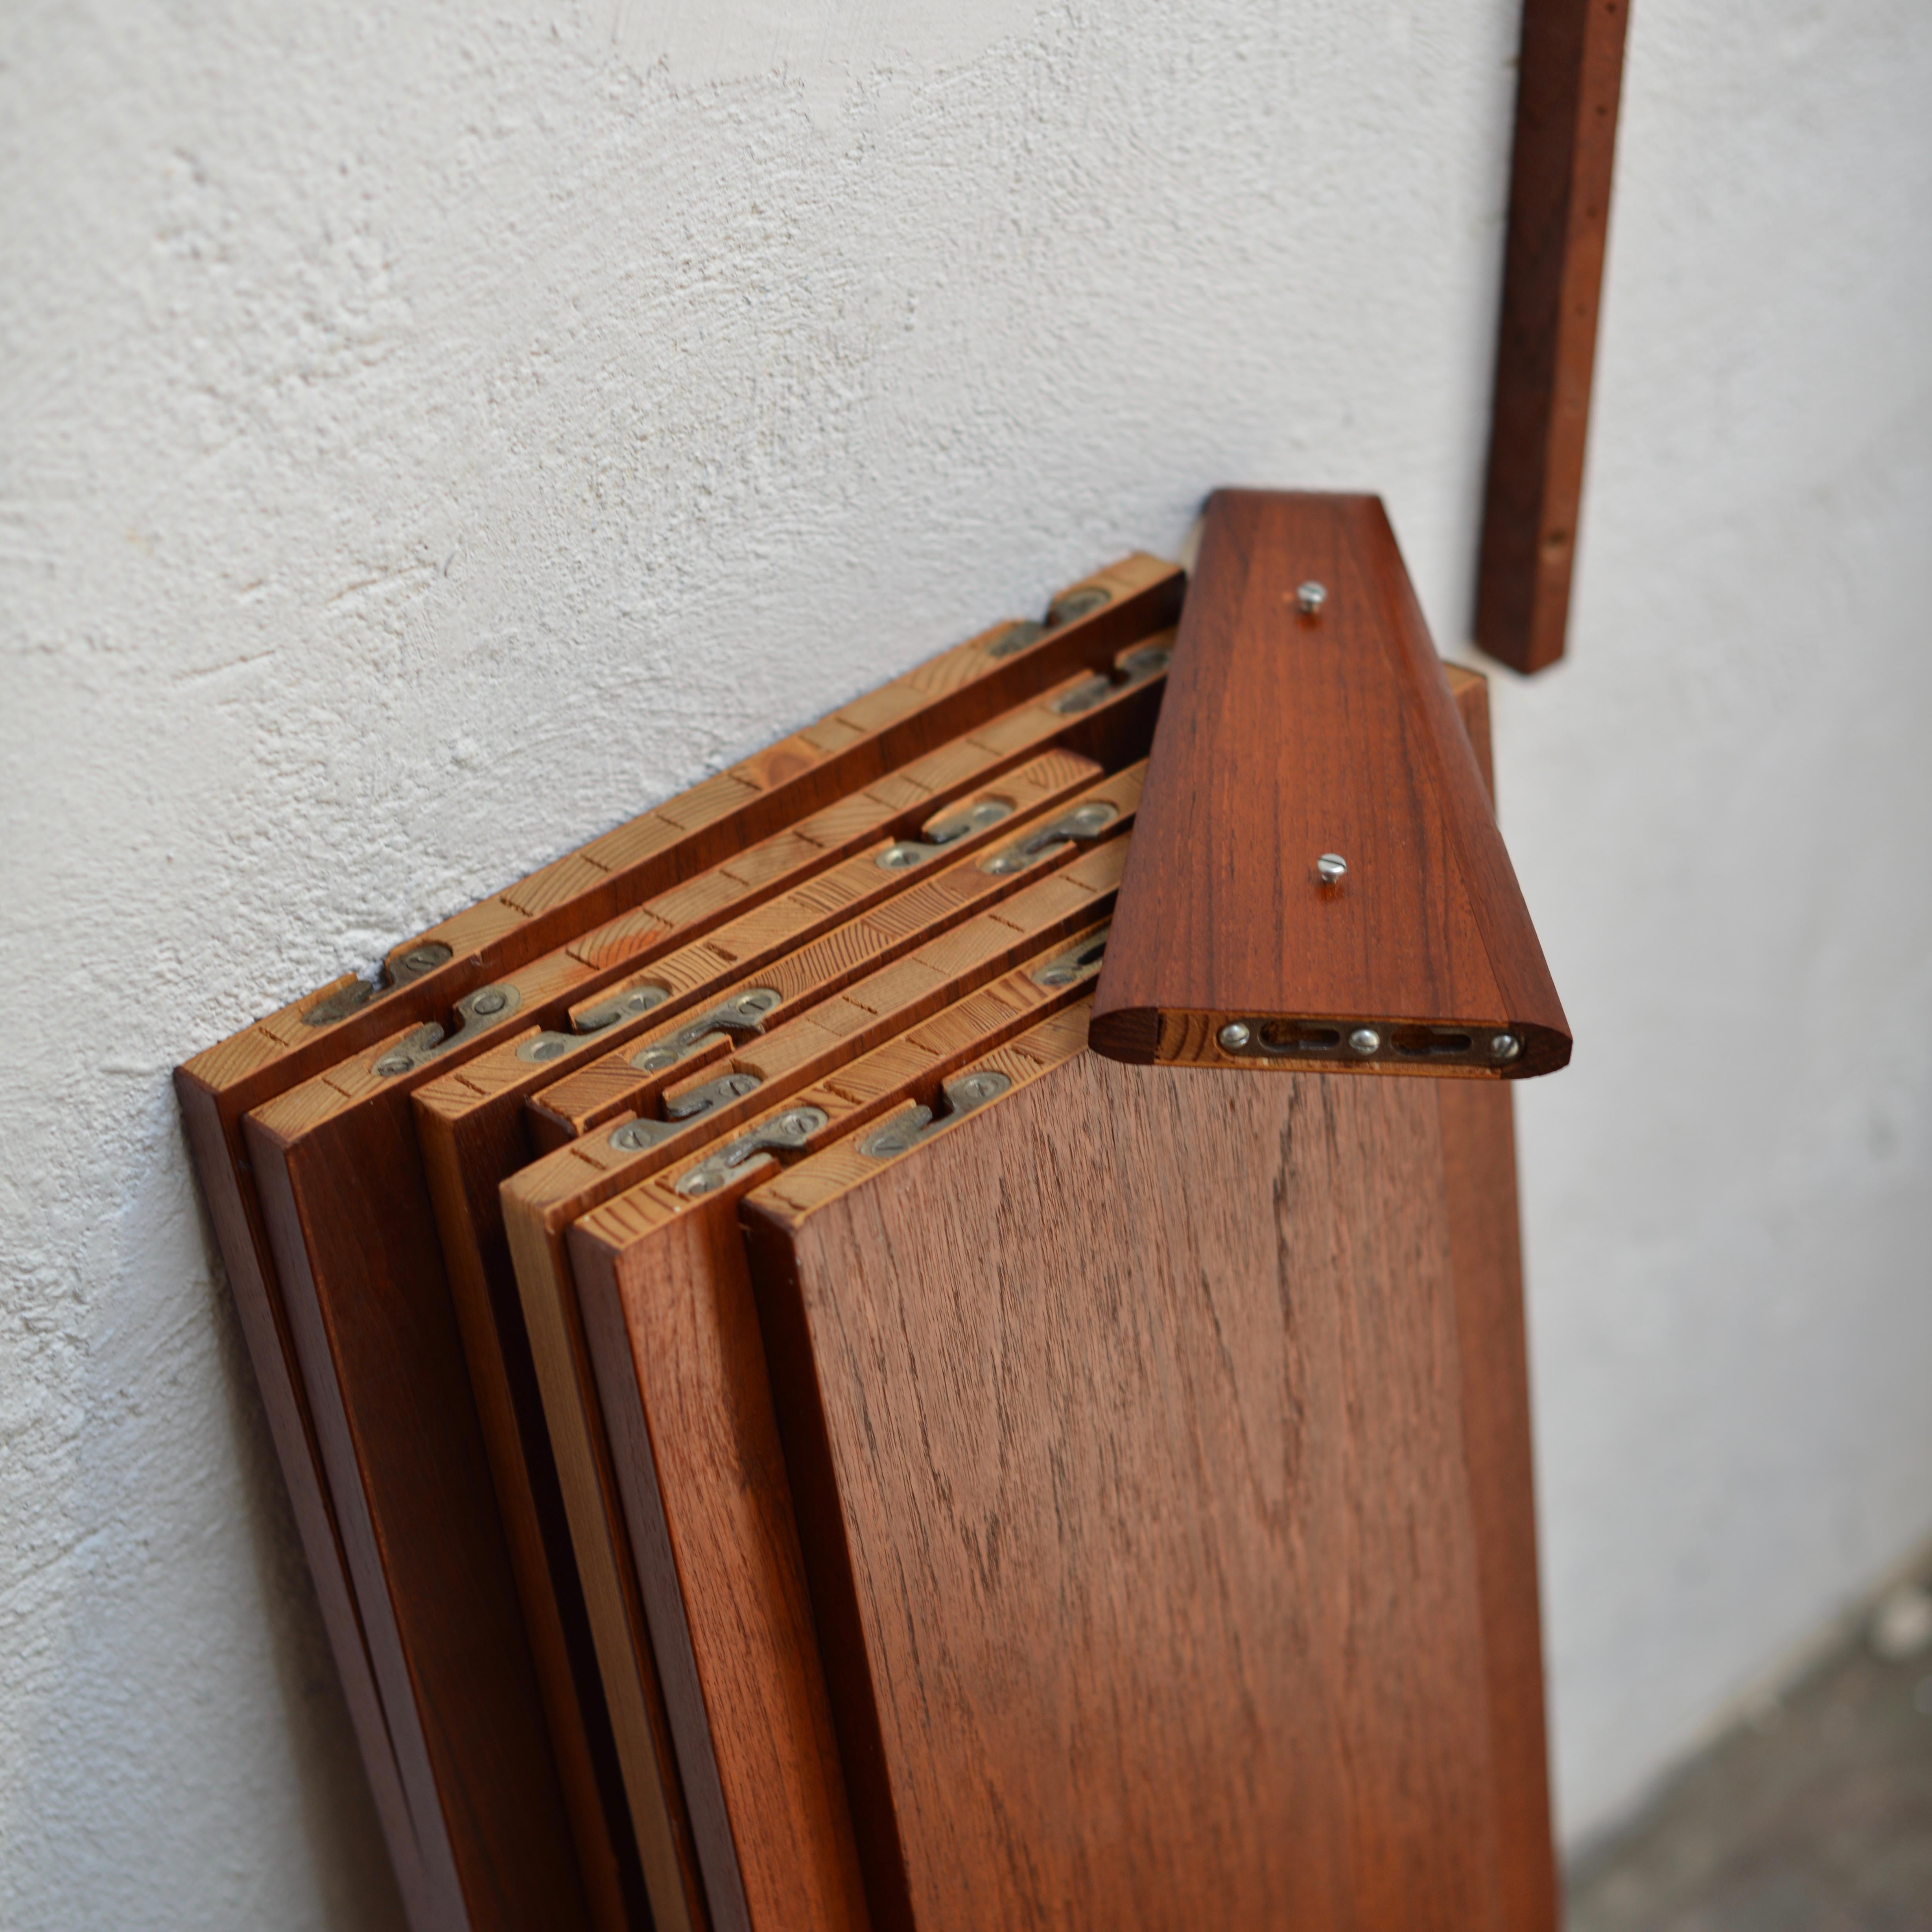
[[744, 1375]]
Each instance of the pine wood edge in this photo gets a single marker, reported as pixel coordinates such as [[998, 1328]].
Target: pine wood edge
[[593, 1094], [1143, 594], [546, 987], [704, 968]]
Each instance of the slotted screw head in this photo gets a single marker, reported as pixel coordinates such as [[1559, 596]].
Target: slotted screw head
[[1505, 1046], [1365, 1040], [491, 1000], [1331, 869], [1309, 597], [1234, 1036]]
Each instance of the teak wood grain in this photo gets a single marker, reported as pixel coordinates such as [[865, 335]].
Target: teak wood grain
[[1292, 733], [673, 1338], [1569, 79], [469, 1129], [1125, 1429], [1088, 624]]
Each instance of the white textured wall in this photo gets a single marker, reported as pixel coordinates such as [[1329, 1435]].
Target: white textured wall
[[424, 439]]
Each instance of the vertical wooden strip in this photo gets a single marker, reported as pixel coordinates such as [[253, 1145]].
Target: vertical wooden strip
[[1570, 74], [1485, 1262]]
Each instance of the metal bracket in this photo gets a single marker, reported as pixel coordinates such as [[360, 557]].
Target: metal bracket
[[1083, 821], [962, 1096], [712, 1093], [903, 854], [1068, 609], [1078, 962], [791, 1131], [627, 1005], [634, 1136], [742, 1013], [399, 971], [475, 1013], [1132, 667]]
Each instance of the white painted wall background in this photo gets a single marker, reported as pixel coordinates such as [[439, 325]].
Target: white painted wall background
[[429, 436]]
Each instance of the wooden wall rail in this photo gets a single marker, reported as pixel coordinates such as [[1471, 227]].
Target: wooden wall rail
[[1570, 75]]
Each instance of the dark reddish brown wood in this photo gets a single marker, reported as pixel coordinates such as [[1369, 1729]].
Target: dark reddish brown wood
[[1569, 78], [1294, 732], [1124, 1424], [1479, 1166], [1089, 624]]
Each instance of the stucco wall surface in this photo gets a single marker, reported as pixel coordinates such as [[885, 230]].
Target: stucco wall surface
[[427, 436]]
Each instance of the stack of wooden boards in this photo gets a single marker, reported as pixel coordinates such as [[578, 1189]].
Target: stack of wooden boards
[[785, 1436]]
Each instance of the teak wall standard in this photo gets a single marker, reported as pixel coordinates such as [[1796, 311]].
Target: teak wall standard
[[1569, 81]]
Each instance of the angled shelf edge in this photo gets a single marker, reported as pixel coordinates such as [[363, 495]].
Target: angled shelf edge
[[1317, 881]]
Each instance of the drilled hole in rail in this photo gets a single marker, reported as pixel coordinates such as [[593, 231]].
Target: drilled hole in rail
[[1299, 1036], [1430, 1042]]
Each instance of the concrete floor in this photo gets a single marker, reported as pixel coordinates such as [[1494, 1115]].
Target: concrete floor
[[1816, 1816]]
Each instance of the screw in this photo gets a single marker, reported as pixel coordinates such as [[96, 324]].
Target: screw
[[634, 1136], [978, 1086], [1331, 869], [1365, 1040], [1505, 1046], [897, 858], [391, 1064], [1309, 597], [1234, 1036], [491, 1000]]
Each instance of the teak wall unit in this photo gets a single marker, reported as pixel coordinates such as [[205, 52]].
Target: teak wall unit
[[632, 1359], [1319, 881], [425, 980]]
